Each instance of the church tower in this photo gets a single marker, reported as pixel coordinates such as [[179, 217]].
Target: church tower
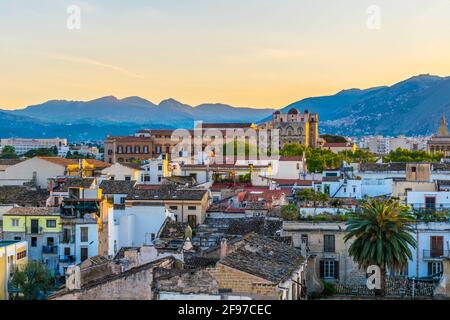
[[443, 130]]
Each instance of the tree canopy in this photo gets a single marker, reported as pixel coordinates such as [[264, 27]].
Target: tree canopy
[[8, 152], [318, 159], [403, 155], [33, 281], [42, 152]]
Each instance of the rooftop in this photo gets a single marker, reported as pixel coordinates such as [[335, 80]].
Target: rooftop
[[117, 186], [400, 166], [32, 211], [5, 243], [264, 257], [64, 185], [23, 196], [66, 162], [167, 193]]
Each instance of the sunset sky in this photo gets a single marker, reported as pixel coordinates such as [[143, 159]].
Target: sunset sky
[[253, 53]]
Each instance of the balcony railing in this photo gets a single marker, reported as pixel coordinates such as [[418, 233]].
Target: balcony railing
[[435, 254], [67, 259], [38, 230], [50, 249], [67, 239], [430, 208]]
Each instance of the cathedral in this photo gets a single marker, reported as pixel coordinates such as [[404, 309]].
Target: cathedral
[[295, 127], [440, 142]]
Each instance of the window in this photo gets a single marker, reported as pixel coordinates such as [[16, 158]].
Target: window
[[327, 189], [127, 178], [51, 223], [430, 203], [159, 179], [129, 149], [146, 178], [83, 254], [137, 149], [354, 189], [153, 237], [436, 246], [17, 238], [329, 269], [119, 149], [122, 200], [160, 167], [413, 169], [34, 242], [84, 234], [110, 152], [345, 190], [191, 208], [328, 243], [145, 149], [173, 207], [50, 241], [112, 178], [434, 268], [21, 254], [15, 222], [67, 252]]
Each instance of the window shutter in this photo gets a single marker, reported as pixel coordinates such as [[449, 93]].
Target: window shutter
[[430, 268], [322, 271], [336, 269]]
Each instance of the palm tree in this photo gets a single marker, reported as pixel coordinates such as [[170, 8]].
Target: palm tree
[[383, 237]]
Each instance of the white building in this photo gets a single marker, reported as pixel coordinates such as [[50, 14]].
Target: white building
[[23, 145], [139, 225], [122, 171], [152, 172], [428, 200], [433, 241], [38, 169], [339, 185]]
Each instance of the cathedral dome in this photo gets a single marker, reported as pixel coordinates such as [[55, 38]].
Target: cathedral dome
[[293, 111]]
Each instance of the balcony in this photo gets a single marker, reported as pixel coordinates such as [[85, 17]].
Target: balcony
[[49, 249], [67, 239], [421, 207], [35, 230], [67, 259], [435, 254]]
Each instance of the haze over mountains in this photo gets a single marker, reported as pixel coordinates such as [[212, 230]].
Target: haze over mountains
[[410, 107]]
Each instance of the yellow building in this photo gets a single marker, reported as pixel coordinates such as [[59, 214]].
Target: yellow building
[[40, 227], [12, 254]]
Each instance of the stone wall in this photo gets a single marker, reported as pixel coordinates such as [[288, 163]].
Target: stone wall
[[244, 283], [188, 282], [136, 286], [395, 286]]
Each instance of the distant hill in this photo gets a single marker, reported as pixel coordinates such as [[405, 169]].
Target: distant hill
[[410, 107], [135, 110]]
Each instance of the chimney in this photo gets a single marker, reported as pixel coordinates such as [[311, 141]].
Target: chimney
[[223, 248]]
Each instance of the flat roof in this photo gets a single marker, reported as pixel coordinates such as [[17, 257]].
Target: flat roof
[[5, 243]]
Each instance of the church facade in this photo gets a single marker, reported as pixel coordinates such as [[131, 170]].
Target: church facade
[[295, 127], [440, 142]]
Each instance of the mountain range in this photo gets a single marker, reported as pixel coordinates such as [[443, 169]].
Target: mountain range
[[410, 107]]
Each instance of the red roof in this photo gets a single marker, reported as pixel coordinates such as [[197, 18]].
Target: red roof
[[267, 195], [338, 145], [292, 182]]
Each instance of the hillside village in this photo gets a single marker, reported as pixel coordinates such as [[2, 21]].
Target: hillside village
[[139, 223]]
